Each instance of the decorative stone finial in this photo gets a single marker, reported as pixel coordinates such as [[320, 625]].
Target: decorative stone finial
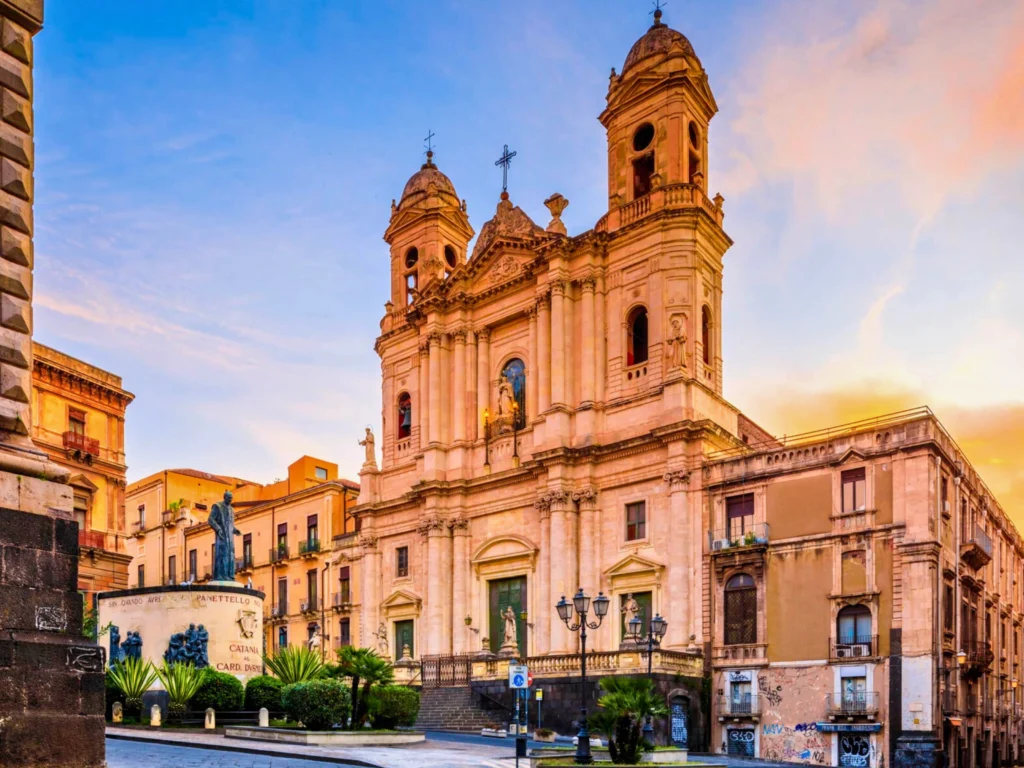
[[556, 204], [430, 159]]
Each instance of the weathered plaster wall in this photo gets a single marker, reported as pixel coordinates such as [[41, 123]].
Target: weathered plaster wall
[[799, 583]]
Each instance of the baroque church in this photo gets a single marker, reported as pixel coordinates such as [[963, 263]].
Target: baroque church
[[546, 396]]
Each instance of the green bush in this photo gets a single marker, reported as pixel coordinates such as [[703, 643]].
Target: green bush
[[392, 705], [220, 691], [263, 691], [318, 704]]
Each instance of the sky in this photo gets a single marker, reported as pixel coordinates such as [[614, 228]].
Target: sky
[[213, 180]]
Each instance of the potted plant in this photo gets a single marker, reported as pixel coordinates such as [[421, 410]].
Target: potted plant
[[181, 681], [750, 539], [132, 677], [544, 734]]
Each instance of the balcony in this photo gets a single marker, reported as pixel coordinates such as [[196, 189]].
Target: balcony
[[139, 528], [852, 704], [171, 581], [243, 564], [342, 600], [309, 547], [80, 447], [747, 706], [278, 613], [279, 553], [730, 539], [91, 539], [167, 519], [853, 647], [311, 605], [739, 655], [950, 705], [976, 547], [979, 658]]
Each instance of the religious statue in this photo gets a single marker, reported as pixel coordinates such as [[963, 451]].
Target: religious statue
[[367, 443], [132, 646], [382, 639], [506, 397], [314, 641], [509, 641], [175, 648], [189, 647], [222, 521], [116, 651], [677, 343], [630, 610]]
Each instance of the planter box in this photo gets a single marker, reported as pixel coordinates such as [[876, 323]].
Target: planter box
[[323, 738], [665, 756], [494, 733], [550, 739]]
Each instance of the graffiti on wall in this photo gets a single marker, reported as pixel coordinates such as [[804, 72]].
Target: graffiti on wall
[[800, 742], [791, 700]]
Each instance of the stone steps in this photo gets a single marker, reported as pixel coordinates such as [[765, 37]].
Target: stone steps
[[453, 709]]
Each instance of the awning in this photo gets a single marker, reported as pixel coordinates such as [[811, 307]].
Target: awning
[[850, 727]]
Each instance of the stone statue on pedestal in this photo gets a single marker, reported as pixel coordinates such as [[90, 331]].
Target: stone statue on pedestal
[[368, 443], [509, 641], [222, 521], [630, 610]]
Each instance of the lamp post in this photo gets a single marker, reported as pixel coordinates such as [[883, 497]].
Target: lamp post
[[581, 606], [655, 632]]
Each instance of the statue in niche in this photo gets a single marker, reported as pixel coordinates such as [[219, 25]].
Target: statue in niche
[[368, 443], [382, 639], [677, 342], [222, 521], [509, 641], [506, 397], [630, 611], [116, 651]]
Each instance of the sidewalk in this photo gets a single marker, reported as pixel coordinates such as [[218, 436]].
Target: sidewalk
[[428, 754]]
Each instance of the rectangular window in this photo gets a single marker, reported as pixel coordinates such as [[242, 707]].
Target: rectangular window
[[142, 576], [948, 608], [945, 494], [321, 473], [344, 585], [740, 701], [247, 550], [345, 632], [172, 568], [402, 562], [739, 516], [142, 515], [193, 564], [854, 490], [636, 521], [282, 597], [312, 530], [282, 637], [282, 541], [76, 421], [311, 588], [213, 559]]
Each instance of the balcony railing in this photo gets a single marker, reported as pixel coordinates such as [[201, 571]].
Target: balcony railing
[[732, 538], [310, 606], [976, 547], [76, 441], [139, 528], [279, 553], [167, 518], [171, 581], [91, 539], [278, 611], [950, 705], [244, 563], [748, 705], [854, 647], [342, 598], [852, 704], [309, 547], [979, 656]]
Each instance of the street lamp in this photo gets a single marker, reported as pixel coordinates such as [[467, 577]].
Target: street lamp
[[581, 605], [961, 658], [655, 632]]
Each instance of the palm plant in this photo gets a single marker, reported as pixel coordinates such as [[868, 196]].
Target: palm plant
[[364, 666], [625, 704], [295, 664], [181, 681], [132, 677]]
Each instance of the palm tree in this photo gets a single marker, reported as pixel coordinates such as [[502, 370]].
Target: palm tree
[[295, 664], [625, 704], [181, 681], [364, 666], [132, 677]]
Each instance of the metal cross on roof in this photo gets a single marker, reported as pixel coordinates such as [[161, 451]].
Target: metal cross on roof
[[505, 161], [658, 5], [429, 140]]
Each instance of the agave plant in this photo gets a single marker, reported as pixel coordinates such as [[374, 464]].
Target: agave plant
[[181, 681], [132, 677], [295, 664]]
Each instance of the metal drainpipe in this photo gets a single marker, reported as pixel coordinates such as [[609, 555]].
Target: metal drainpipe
[[956, 567], [273, 569]]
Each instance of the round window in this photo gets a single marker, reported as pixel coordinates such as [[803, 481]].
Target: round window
[[643, 137]]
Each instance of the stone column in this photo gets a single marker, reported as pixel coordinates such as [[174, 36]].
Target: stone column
[[459, 387], [483, 367], [569, 355], [473, 408], [681, 599], [532, 383], [562, 565], [460, 584], [589, 344], [543, 353], [558, 396], [433, 634], [369, 576], [601, 339], [589, 543], [545, 610], [423, 396], [434, 420]]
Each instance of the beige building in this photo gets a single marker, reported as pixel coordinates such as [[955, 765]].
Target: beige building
[[290, 531], [79, 413], [553, 419]]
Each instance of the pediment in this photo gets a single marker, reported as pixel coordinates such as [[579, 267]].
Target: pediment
[[849, 456], [401, 598], [633, 565], [83, 482], [506, 547], [411, 217]]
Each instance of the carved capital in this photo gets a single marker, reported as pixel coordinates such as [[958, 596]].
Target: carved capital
[[483, 334], [424, 348], [544, 302], [558, 499], [586, 497], [459, 335], [677, 480], [368, 542], [543, 504], [432, 526], [434, 339], [589, 283], [459, 526], [559, 287]]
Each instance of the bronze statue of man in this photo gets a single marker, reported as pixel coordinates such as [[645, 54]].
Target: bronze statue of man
[[222, 521]]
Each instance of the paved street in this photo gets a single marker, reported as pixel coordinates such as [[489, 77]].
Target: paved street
[[136, 754]]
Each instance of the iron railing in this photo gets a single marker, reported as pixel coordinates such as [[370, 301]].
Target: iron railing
[[75, 441], [746, 705], [244, 563], [731, 538], [853, 647], [850, 703], [279, 553], [446, 671], [310, 605], [309, 547]]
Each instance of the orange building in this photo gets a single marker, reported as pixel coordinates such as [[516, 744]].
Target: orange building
[[289, 528], [79, 412]]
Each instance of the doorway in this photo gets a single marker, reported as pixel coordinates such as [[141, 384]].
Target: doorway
[[506, 593]]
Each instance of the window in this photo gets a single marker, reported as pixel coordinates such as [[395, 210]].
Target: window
[[282, 540], [643, 137], [945, 494], [213, 559], [321, 473], [740, 610], [282, 637], [705, 333], [739, 516], [694, 152], [636, 336], [636, 521], [853, 625], [515, 372], [740, 699], [854, 490], [404, 416], [76, 421], [345, 632], [643, 169], [311, 589], [142, 515], [282, 597], [81, 508], [449, 258], [247, 550], [948, 608], [412, 256], [193, 564], [312, 532], [142, 576], [172, 568], [402, 562], [344, 585]]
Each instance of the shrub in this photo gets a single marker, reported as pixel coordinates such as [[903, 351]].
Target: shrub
[[295, 664], [363, 665], [625, 704], [392, 705], [220, 691], [318, 704], [263, 691], [132, 677], [181, 681]]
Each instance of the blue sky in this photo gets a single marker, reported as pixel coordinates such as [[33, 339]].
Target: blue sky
[[213, 180]]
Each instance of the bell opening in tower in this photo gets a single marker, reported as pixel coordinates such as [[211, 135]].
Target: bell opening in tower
[[643, 169]]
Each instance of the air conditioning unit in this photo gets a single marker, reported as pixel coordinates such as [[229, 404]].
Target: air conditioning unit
[[860, 650], [844, 651], [719, 544], [945, 506]]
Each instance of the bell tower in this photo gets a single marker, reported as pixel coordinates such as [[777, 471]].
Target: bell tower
[[428, 234]]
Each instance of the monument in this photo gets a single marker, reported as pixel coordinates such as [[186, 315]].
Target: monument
[[222, 521]]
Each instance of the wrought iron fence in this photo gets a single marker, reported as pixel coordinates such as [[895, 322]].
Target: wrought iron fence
[[446, 671]]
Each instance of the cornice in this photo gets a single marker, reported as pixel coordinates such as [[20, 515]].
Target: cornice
[[64, 380]]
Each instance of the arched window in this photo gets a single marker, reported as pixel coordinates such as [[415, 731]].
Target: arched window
[[404, 415], [515, 372], [411, 257], [705, 333], [694, 152], [853, 627], [643, 166], [449, 257], [636, 336], [740, 610]]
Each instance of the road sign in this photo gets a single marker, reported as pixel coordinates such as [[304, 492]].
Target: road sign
[[540, 694], [529, 679], [517, 676]]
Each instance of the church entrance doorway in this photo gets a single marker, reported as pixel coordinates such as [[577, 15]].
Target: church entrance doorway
[[505, 593]]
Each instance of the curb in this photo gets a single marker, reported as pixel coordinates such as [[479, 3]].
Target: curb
[[244, 750]]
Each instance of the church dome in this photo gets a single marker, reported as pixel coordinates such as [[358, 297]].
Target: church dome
[[658, 40], [419, 183]]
